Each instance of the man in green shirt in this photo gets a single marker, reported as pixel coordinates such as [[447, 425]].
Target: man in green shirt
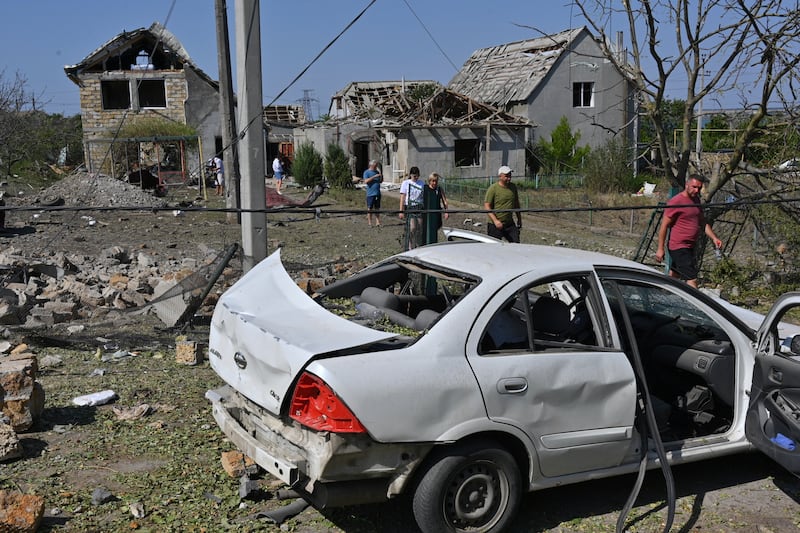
[[500, 196]]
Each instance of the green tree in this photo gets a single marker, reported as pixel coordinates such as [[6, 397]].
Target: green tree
[[422, 91], [33, 141], [561, 153], [337, 168], [533, 158], [717, 134], [307, 165], [670, 113]]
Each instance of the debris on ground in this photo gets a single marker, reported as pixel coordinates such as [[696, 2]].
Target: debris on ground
[[19, 512], [102, 495], [10, 447], [95, 398], [236, 464], [21, 395]]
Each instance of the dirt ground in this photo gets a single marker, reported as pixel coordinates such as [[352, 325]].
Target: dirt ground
[[168, 460]]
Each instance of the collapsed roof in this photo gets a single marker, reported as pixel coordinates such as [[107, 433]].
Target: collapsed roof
[[511, 72], [418, 104], [289, 115], [153, 48]]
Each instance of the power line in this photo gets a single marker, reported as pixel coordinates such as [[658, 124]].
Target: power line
[[424, 27]]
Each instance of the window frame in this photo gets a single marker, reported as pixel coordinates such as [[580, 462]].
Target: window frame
[[473, 151], [580, 91], [146, 88], [111, 92], [527, 294]]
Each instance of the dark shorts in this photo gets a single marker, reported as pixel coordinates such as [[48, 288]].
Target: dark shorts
[[683, 263], [373, 202], [510, 232]]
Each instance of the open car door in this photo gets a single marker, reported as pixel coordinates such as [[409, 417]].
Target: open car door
[[773, 417]]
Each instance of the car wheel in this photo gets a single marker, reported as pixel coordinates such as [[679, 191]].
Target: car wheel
[[475, 488]]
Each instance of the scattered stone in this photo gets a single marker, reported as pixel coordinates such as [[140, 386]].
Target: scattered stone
[[21, 396], [249, 489], [102, 495], [137, 510], [188, 352], [51, 361], [236, 464], [75, 329], [95, 398], [20, 513], [10, 447], [116, 356]]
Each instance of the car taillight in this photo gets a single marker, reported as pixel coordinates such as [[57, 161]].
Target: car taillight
[[315, 405]]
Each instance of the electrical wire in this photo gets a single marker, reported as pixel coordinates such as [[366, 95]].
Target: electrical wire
[[89, 190], [424, 27]]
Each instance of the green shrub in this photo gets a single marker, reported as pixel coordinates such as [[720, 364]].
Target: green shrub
[[307, 165], [607, 169], [337, 168]]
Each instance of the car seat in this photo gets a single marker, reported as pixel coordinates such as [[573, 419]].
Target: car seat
[[550, 318]]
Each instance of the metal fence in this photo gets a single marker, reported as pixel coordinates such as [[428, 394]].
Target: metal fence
[[473, 190]]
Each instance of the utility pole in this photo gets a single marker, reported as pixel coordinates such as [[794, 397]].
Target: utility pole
[[251, 122], [226, 111]]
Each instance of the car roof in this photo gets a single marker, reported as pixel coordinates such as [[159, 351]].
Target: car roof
[[487, 259]]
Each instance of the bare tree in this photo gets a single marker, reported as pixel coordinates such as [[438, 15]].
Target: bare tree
[[13, 102], [723, 50]]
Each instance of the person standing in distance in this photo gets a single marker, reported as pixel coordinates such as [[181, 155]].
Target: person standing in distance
[[277, 169], [684, 220], [219, 175], [500, 196], [372, 179], [411, 196]]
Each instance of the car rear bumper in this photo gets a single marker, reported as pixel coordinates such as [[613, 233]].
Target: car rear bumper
[[269, 450], [327, 468]]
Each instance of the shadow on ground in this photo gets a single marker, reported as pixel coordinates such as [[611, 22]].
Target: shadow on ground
[[563, 508]]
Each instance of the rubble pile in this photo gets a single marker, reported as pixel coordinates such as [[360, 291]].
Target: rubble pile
[[97, 190], [42, 287], [74, 286]]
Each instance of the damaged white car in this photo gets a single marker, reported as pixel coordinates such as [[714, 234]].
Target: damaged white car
[[468, 373]]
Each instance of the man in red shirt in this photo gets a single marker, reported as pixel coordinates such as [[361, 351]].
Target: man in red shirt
[[684, 220]]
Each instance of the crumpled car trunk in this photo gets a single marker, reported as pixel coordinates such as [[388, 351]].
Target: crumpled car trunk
[[265, 330]]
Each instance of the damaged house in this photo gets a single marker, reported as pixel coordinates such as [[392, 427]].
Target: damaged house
[[407, 123], [146, 74], [279, 123], [549, 77]]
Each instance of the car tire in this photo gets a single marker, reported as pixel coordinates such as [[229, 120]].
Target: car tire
[[474, 487]]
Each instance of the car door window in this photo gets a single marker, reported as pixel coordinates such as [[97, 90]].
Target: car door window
[[689, 360], [551, 316]]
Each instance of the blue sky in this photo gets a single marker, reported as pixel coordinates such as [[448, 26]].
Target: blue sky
[[388, 42]]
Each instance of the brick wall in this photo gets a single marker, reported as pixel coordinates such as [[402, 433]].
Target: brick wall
[[103, 124]]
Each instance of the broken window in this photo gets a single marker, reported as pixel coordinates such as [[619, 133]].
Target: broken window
[[116, 94], [152, 93], [468, 152], [583, 94], [558, 315]]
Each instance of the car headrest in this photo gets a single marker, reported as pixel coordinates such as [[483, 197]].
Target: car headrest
[[380, 298], [550, 315], [424, 319]]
